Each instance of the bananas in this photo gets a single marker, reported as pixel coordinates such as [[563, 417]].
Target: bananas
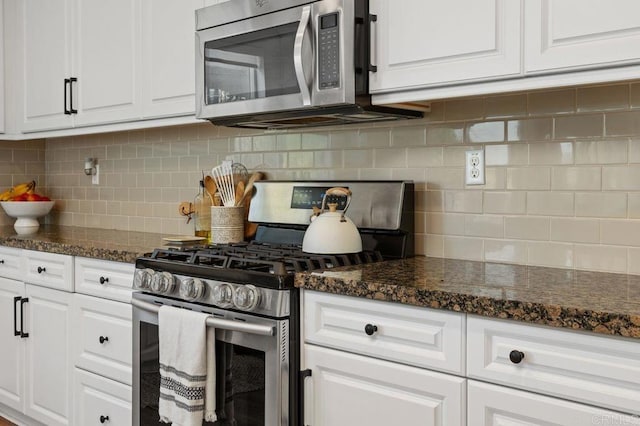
[[22, 188]]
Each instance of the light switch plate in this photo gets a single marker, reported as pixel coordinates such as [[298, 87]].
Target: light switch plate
[[474, 167], [95, 179]]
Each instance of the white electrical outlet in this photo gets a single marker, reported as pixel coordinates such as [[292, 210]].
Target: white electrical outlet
[[474, 167]]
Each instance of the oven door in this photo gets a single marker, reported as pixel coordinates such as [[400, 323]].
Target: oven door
[[252, 367], [270, 63]]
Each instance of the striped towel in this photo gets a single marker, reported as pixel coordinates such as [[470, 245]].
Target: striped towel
[[187, 367]]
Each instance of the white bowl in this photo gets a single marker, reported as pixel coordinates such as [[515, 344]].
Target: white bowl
[[27, 214]]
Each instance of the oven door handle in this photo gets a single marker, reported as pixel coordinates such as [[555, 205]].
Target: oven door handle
[[223, 324]]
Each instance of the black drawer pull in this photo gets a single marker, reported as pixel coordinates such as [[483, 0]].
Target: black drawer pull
[[516, 356], [66, 81], [370, 329], [104, 419], [15, 315], [103, 339], [1, 261], [41, 269], [104, 280], [22, 333]]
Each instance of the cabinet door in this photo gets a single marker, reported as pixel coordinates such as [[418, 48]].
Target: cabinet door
[[491, 405], [169, 57], [99, 400], [565, 34], [12, 352], [429, 42], [45, 55], [48, 365], [107, 60], [350, 389]]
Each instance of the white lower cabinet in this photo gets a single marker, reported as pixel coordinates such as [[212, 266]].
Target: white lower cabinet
[[372, 363], [47, 364], [102, 349], [12, 346], [347, 389], [491, 405], [99, 400], [35, 377]]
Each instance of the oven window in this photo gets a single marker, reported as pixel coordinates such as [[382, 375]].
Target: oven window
[[240, 382], [251, 66]]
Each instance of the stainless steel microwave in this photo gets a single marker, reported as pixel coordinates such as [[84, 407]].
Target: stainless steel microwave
[[286, 63]]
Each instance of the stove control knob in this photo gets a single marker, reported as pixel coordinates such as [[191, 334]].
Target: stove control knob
[[222, 295], [142, 278], [246, 297], [192, 289], [163, 282]]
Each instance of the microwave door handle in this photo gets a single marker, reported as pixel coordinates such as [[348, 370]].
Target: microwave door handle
[[222, 324], [298, 60]]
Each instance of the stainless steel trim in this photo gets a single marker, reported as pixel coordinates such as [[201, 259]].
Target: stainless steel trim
[[297, 56], [374, 205], [223, 324]]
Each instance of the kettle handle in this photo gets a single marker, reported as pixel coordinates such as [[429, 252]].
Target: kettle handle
[[338, 190]]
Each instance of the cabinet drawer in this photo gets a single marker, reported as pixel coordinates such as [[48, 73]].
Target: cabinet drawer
[[96, 398], [111, 280], [10, 265], [408, 334], [48, 269], [599, 370], [102, 337], [491, 405]]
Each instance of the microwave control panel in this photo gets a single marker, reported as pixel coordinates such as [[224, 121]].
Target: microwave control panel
[[329, 51]]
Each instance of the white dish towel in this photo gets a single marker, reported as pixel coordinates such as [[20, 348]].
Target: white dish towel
[[187, 367]]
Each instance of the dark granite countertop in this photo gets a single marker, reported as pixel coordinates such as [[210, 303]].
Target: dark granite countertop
[[580, 300], [105, 244]]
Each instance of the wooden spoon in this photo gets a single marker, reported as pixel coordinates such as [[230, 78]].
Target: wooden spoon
[[239, 193], [248, 189], [210, 186]]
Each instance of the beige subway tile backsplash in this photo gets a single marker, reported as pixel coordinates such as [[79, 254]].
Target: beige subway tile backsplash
[[601, 98], [601, 204], [551, 153], [576, 178], [562, 178], [542, 203], [529, 178], [505, 251], [527, 228]]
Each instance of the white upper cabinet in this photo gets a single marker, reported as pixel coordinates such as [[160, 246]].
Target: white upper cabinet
[[428, 42], [79, 61], [427, 50], [564, 34], [169, 56], [107, 60], [45, 56]]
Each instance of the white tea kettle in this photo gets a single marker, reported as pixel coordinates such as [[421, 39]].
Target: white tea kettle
[[331, 232]]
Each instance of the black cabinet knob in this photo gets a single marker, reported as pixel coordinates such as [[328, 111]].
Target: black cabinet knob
[[104, 280], [1, 261], [104, 419], [103, 339], [370, 329], [516, 356], [41, 269]]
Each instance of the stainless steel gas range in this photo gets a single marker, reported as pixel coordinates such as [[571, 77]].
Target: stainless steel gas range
[[247, 288]]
